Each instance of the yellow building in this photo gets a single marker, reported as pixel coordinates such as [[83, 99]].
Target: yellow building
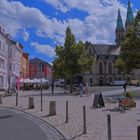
[[24, 64]]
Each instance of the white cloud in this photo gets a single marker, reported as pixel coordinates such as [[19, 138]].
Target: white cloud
[[59, 4], [26, 35], [43, 49], [23, 17], [50, 63], [97, 27]]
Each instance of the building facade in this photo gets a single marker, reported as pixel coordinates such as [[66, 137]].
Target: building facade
[[3, 59], [24, 72], [103, 71], [11, 60], [40, 69]]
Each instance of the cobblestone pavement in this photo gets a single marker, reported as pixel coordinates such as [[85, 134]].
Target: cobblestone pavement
[[124, 124]]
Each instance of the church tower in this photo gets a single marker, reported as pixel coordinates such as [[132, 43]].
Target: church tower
[[129, 17], [120, 31]]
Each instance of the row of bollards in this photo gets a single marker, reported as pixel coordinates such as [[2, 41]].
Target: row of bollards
[[52, 112], [52, 109]]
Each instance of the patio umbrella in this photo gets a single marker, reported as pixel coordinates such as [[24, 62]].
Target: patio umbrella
[[28, 81], [44, 80], [21, 80], [35, 80]]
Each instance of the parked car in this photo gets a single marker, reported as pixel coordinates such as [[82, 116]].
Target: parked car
[[59, 83], [117, 83]]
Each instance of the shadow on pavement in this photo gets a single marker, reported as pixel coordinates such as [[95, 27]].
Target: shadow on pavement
[[6, 116]]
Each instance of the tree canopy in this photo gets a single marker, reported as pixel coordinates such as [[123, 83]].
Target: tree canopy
[[71, 58], [130, 48]]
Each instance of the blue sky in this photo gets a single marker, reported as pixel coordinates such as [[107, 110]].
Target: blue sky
[[40, 24]]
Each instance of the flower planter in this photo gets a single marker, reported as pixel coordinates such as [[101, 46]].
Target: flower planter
[[132, 103]]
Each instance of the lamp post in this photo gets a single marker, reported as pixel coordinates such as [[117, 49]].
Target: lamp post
[[41, 85], [105, 64], [41, 92]]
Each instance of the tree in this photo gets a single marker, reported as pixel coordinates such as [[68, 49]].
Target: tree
[[130, 48], [71, 59]]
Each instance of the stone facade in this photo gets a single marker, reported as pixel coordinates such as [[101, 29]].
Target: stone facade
[[103, 71]]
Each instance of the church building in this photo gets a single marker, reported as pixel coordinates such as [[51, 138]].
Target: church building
[[103, 71]]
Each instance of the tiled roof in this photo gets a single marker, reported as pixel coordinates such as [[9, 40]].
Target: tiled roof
[[38, 60], [105, 49]]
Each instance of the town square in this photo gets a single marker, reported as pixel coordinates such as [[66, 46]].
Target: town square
[[70, 70]]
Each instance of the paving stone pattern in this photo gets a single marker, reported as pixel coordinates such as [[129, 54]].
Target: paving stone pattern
[[124, 124]]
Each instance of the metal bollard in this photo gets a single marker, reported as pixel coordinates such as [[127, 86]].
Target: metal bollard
[[0, 99], [109, 126], [17, 99], [84, 120], [31, 102], [52, 109], [138, 132], [67, 117]]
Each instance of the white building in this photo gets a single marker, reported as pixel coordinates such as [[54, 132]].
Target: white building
[[13, 62], [3, 59], [9, 60]]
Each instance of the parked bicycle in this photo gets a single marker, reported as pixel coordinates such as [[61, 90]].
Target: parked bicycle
[[10, 92]]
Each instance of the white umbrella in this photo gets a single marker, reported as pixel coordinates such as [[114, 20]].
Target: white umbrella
[[21, 80], [28, 81], [44, 80], [35, 80]]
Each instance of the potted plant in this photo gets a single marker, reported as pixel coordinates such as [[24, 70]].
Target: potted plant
[[131, 96]]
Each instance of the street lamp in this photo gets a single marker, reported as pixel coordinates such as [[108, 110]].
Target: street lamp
[[41, 69]]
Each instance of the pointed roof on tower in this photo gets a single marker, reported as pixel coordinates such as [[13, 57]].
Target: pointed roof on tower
[[130, 16], [119, 26]]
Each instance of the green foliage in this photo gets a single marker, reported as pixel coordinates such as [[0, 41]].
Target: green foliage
[[120, 64], [130, 48], [130, 95], [72, 58]]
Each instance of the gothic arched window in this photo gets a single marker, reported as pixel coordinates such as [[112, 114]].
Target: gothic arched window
[[100, 68], [110, 68]]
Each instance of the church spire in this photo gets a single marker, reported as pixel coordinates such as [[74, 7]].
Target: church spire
[[130, 16], [119, 25], [120, 31]]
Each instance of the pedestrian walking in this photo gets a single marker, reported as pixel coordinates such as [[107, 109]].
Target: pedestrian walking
[[81, 89], [124, 87], [86, 90], [52, 87]]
